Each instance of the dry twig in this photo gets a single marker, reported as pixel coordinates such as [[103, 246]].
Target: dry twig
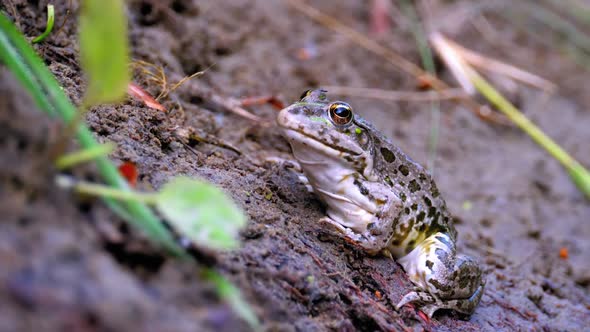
[[392, 57], [491, 65], [235, 106], [449, 94]]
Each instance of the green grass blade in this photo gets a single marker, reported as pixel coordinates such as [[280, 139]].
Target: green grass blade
[[232, 295], [104, 50], [29, 69], [577, 172], [428, 64], [49, 26], [10, 44]]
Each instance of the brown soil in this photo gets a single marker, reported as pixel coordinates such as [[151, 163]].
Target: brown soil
[[68, 263]]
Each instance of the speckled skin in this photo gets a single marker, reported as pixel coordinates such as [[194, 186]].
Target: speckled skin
[[383, 201]]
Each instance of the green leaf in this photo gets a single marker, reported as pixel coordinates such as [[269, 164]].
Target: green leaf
[[201, 212], [28, 68], [104, 50]]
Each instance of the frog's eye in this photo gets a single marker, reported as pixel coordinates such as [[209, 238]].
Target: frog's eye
[[340, 113], [305, 94]]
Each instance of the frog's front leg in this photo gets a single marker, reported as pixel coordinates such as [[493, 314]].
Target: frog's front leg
[[444, 279], [372, 245], [368, 221]]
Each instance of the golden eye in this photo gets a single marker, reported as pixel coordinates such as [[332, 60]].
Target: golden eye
[[305, 93], [340, 113]]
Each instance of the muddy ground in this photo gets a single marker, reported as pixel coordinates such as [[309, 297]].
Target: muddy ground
[[68, 263]]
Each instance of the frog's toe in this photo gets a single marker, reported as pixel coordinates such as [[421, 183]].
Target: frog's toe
[[430, 309], [428, 304], [424, 302], [333, 224], [415, 296], [465, 306]]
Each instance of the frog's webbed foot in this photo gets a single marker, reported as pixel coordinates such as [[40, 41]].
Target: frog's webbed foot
[[444, 280], [429, 304], [346, 232], [426, 302], [350, 236]]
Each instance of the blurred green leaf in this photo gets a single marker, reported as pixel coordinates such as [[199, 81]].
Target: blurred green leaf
[[201, 212], [104, 51], [19, 57]]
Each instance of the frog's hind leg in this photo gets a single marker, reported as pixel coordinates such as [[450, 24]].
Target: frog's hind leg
[[444, 279]]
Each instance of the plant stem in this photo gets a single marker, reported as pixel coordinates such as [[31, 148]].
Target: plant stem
[[77, 157], [48, 27], [428, 64], [232, 295], [103, 191]]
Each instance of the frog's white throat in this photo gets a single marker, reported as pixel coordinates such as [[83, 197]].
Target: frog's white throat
[[325, 159], [332, 178]]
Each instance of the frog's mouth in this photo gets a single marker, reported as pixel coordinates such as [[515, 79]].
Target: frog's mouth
[[326, 148]]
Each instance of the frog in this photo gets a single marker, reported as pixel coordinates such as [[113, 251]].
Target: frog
[[382, 201]]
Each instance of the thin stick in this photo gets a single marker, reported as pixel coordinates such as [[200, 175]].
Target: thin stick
[[234, 105], [417, 96], [455, 63], [66, 17], [428, 64]]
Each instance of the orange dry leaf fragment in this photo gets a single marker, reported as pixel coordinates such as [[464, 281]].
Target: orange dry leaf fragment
[[563, 253], [307, 52], [378, 295], [272, 100], [423, 316], [129, 171], [424, 82], [137, 92]]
